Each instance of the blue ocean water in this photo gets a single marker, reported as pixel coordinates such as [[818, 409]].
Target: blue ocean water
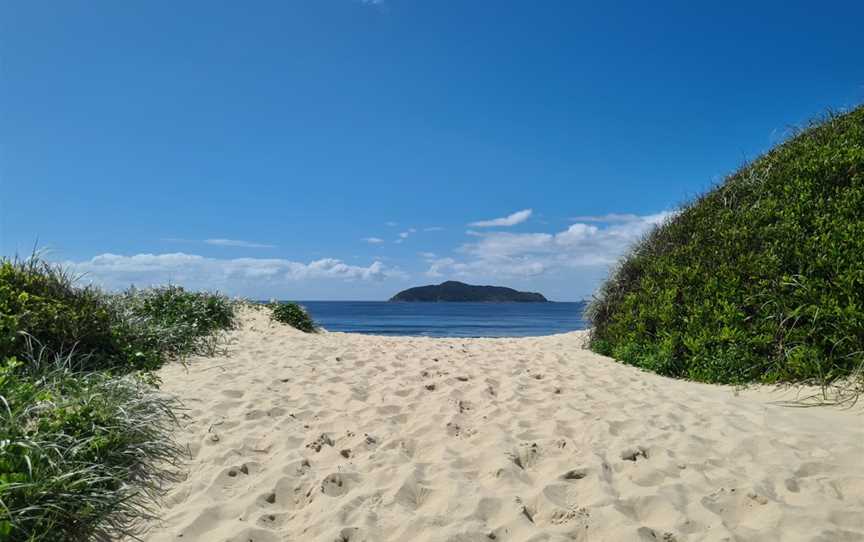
[[448, 319]]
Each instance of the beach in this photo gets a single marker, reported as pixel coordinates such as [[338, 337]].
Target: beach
[[349, 437]]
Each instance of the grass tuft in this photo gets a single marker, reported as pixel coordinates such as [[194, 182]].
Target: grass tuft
[[83, 455], [294, 315]]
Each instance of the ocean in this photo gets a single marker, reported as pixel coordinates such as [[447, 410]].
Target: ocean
[[448, 319]]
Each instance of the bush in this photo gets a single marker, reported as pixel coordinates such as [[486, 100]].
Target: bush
[[171, 322], [761, 279], [39, 301], [294, 315], [82, 455], [83, 449], [138, 329]]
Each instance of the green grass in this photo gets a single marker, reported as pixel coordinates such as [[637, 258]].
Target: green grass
[[40, 303], [85, 436], [294, 315], [761, 279], [82, 455], [170, 322]]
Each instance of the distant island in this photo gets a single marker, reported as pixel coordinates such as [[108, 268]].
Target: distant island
[[453, 291]]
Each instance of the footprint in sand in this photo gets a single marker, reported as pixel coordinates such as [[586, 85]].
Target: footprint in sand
[[323, 440], [646, 534], [634, 454], [575, 474], [526, 456], [351, 534], [338, 484], [271, 520], [236, 471]]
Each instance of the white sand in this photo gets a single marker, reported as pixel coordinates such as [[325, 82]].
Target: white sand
[[342, 437]]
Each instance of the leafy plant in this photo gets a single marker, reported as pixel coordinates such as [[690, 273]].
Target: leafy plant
[[137, 329], [82, 456], [85, 439], [294, 315], [38, 301], [169, 321], [760, 279]]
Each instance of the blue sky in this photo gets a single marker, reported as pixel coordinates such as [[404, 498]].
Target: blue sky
[[341, 149]]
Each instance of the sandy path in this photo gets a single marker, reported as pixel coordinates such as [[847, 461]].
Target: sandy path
[[341, 437]]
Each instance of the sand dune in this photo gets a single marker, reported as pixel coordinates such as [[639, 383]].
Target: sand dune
[[342, 437]]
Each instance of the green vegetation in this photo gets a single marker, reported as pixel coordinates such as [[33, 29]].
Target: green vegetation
[[39, 303], [84, 433], [169, 322], [82, 454], [761, 279], [294, 315], [138, 329]]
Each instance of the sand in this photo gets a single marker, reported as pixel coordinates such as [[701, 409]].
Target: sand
[[344, 437]]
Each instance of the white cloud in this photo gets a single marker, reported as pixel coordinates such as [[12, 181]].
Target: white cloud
[[391, 224], [115, 271], [581, 245], [510, 220], [608, 218], [236, 243], [433, 228], [373, 240], [437, 267], [405, 234]]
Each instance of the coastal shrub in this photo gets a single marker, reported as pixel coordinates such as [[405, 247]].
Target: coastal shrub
[[760, 279], [82, 456], [169, 321], [84, 436], [294, 315], [40, 304]]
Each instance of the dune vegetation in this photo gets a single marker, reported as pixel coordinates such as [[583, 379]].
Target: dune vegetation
[[759, 280], [293, 315], [85, 441]]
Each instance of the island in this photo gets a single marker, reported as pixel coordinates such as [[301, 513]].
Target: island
[[454, 291]]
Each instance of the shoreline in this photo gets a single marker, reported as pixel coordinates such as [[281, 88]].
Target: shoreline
[[365, 437]]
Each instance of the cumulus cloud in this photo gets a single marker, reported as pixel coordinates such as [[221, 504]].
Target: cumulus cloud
[[236, 243], [219, 242], [373, 240], [529, 254], [115, 271], [510, 220], [438, 266]]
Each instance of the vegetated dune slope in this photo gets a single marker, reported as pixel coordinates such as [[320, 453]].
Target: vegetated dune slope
[[758, 280], [348, 437]]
